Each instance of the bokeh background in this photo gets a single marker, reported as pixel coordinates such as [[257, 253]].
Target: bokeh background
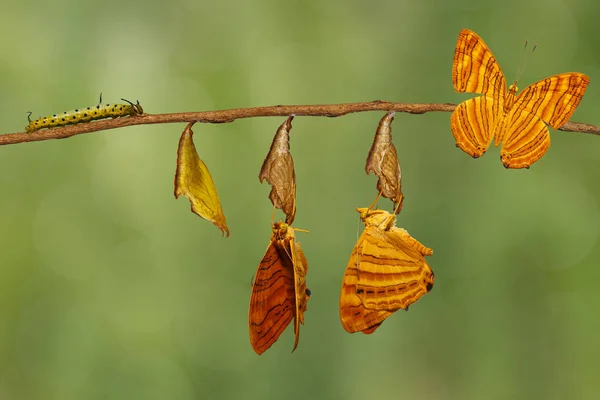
[[112, 289]]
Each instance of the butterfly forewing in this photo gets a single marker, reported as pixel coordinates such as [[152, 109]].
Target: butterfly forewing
[[475, 69], [353, 314], [272, 303], [386, 272], [553, 99], [392, 274]]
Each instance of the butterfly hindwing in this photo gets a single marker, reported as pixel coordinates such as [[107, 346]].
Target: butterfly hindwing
[[475, 69], [272, 304], [472, 122]]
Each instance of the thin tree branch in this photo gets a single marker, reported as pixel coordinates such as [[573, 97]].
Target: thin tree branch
[[223, 116]]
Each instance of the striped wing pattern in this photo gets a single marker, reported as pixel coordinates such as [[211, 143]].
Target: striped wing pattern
[[279, 293], [518, 122], [524, 135], [302, 293], [386, 272], [472, 123], [475, 69]]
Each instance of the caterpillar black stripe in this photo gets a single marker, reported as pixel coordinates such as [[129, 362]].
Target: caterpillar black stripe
[[101, 111]]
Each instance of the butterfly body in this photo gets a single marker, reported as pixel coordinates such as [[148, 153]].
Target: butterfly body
[[386, 272], [279, 292], [515, 120]]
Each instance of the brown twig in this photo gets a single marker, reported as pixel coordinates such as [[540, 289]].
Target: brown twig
[[223, 116]]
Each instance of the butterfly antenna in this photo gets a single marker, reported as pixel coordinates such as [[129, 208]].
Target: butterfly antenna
[[357, 236], [29, 116], [525, 61]]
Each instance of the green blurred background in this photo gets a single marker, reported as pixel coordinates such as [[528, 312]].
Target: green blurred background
[[112, 289]]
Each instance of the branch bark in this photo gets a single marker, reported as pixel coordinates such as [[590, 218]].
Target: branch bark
[[225, 116]]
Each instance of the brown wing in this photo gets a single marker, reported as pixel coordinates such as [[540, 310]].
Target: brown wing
[[355, 317], [525, 137], [302, 293], [272, 304]]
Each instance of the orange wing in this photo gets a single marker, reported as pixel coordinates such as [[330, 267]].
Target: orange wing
[[279, 293], [524, 135], [386, 272], [476, 70], [516, 121]]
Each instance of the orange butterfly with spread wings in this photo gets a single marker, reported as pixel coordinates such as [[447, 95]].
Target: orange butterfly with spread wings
[[279, 293], [515, 120], [387, 271]]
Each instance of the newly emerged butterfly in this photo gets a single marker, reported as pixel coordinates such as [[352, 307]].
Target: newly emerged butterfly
[[77, 116], [518, 121], [279, 292], [386, 272]]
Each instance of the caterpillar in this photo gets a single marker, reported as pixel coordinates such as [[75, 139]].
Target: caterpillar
[[88, 114]]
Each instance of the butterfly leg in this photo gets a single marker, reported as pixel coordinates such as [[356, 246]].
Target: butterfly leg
[[375, 202]]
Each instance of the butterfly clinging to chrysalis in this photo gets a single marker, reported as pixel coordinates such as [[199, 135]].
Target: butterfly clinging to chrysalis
[[279, 292], [518, 121], [386, 272]]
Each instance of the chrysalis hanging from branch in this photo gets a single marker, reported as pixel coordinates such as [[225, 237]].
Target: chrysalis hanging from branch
[[383, 162], [278, 170], [193, 180]]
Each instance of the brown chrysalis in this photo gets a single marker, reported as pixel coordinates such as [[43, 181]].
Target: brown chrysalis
[[278, 170], [383, 162]]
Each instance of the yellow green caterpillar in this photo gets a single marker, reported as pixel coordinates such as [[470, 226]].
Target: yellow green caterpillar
[[88, 114]]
